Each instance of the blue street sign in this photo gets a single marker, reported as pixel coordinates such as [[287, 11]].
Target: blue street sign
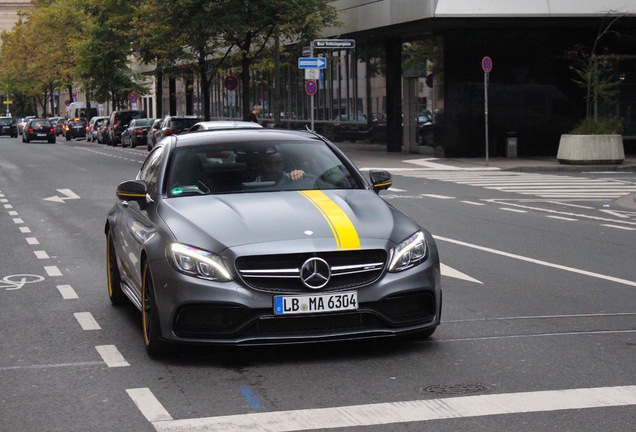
[[312, 62]]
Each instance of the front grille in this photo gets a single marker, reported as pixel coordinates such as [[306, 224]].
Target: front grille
[[281, 273]]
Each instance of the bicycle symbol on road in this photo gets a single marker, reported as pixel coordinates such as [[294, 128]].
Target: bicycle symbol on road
[[15, 282]]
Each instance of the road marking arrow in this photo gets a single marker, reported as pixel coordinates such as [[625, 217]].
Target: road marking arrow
[[451, 272], [68, 194]]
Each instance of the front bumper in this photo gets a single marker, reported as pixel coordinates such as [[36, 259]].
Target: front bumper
[[195, 310]]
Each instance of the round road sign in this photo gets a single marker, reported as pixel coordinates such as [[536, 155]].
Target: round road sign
[[311, 87], [230, 82], [486, 64], [132, 97]]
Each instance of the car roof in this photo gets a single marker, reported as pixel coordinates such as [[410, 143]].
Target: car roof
[[239, 136], [227, 124]]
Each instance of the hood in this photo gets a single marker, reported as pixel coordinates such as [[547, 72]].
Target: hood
[[334, 219]]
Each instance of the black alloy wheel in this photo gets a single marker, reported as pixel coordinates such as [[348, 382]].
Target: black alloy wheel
[[150, 315]]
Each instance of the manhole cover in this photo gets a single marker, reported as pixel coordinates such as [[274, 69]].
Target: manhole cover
[[454, 389]]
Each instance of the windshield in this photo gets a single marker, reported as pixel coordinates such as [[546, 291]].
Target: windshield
[[183, 123], [6, 121], [256, 167]]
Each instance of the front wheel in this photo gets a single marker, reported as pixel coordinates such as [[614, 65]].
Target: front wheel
[[150, 315]]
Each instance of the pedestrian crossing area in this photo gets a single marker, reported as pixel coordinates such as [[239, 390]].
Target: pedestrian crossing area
[[539, 185]]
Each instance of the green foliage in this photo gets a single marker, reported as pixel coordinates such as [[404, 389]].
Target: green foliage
[[611, 125]]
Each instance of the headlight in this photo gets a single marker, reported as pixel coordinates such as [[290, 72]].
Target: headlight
[[196, 262], [408, 253]]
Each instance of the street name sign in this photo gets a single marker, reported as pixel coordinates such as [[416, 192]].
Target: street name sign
[[312, 62], [334, 43]]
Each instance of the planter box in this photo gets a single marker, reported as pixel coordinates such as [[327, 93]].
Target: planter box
[[591, 150]]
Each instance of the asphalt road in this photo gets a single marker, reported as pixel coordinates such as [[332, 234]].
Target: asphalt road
[[538, 327]]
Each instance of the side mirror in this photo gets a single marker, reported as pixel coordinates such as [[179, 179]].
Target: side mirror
[[132, 190], [380, 180]]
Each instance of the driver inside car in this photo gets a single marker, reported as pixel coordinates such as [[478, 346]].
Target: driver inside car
[[272, 169]]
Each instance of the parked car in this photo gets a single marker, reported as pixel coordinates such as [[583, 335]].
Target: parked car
[[338, 263], [23, 123], [223, 125], [151, 138], [38, 129], [119, 121], [424, 125], [136, 133], [350, 127], [8, 126], [174, 125], [75, 128], [93, 126], [102, 132], [60, 126]]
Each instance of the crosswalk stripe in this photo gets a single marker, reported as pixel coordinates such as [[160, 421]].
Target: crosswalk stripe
[[540, 185]]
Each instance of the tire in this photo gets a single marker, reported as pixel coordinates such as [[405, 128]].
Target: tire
[[150, 315], [115, 293], [68, 138]]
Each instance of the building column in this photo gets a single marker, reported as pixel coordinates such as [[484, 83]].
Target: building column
[[393, 53]]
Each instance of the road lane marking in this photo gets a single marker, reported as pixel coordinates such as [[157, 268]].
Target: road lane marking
[[619, 227], [32, 241], [473, 203], [86, 321], [562, 218], [52, 271], [539, 262], [18, 221], [50, 366], [513, 210], [533, 335], [13, 213], [451, 272], [40, 254], [67, 291], [25, 230], [148, 404], [111, 356], [437, 196], [391, 412]]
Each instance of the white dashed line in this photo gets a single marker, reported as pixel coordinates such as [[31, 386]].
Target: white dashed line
[[562, 218], [473, 203], [513, 210], [52, 271], [437, 196], [86, 321], [13, 213], [25, 230], [32, 241], [8, 206], [40, 254], [111, 356], [18, 221], [67, 292]]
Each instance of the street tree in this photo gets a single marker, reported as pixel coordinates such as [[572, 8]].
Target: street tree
[[250, 25], [181, 37]]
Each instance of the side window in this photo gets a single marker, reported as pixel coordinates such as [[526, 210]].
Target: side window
[[150, 169]]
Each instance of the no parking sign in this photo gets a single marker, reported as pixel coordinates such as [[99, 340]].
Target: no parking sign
[[311, 87]]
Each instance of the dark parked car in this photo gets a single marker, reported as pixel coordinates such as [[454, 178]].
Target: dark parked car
[[136, 133], [8, 126], [350, 127], [38, 129], [59, 126], [93, 127], [174, 125], [119, 121], [75, 128], [261, 236], [153, 133]]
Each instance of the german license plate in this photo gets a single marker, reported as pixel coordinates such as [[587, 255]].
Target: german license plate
[[41, 135], [310, 304]]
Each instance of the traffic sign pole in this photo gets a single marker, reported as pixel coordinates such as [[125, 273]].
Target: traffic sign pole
[[486, 65], [311, 54]]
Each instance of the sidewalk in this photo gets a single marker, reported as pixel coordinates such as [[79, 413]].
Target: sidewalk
[[367, 155]]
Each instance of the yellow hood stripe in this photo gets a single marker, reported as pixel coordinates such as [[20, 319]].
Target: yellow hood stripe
[[343, 230]]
